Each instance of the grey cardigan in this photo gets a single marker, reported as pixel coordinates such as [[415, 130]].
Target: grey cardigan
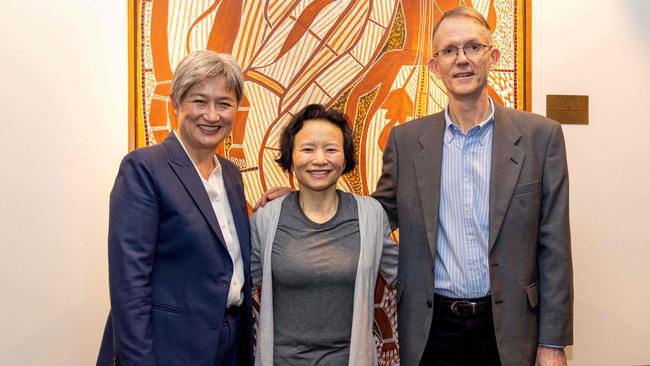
[[378, 253]]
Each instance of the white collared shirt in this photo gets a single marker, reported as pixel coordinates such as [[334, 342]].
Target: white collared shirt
[[216, 190]]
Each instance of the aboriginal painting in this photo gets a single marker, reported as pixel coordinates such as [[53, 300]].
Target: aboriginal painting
[[367, 58]]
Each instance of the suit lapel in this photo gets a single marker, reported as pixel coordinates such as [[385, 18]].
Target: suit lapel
[[427, 170], [189, 177], [507, 161]]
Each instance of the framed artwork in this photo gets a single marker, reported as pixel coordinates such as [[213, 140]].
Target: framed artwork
[[367, 58]]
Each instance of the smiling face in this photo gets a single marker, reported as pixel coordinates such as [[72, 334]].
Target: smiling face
[[205, 115], [463, 77], [318, 156]]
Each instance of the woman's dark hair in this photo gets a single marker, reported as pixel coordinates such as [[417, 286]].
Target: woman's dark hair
[[311, 112]]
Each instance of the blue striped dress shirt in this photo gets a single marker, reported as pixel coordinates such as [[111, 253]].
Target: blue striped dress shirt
[[461, 266]]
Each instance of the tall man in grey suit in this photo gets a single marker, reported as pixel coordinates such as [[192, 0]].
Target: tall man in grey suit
[[480, 194]]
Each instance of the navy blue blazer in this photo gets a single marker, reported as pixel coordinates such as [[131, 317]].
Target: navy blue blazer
[[169, 268]]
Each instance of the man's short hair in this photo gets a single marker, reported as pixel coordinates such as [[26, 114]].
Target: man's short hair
[[315, 112], [464, 13], [202, 65]]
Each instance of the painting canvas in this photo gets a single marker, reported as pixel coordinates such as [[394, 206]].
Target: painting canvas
[[367, 58]]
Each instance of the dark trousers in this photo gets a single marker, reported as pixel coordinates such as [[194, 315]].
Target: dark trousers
[[459, 340], [232, 350]]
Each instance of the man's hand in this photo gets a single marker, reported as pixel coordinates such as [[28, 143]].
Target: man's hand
[[549, 356], [270, 195]]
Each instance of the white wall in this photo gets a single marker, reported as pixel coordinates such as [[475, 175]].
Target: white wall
[[64, 111], [602, 49], [65, 62]]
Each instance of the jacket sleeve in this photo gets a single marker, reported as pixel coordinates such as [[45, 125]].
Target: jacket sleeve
[[132, 238], [389, 256], [554, 246], [387, 185]]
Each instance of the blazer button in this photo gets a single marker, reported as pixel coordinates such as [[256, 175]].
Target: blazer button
[[429, 303]]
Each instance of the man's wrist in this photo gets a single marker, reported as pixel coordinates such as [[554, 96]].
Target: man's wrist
[[552, 346]]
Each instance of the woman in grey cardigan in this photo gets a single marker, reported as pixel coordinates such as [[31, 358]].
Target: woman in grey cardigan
[[317, 252]]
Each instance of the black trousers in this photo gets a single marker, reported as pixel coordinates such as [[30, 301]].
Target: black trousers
[[460, 340], [232, 350]]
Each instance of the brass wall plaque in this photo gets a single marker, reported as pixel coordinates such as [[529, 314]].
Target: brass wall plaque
[[568, 109]]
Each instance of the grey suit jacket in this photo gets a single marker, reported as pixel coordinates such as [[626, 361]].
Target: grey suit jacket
[[529, 239]]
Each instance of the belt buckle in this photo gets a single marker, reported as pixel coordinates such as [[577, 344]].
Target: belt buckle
[[455, 304]]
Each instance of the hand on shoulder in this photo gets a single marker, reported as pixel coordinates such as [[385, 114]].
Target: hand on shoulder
[[271, 194]]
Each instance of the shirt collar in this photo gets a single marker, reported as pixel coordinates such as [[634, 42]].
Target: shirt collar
[[217, 165], [451, 126]]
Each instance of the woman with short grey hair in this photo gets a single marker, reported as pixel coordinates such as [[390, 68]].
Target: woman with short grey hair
[[179, 236]]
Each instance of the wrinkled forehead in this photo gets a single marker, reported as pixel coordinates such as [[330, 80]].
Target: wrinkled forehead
[[459, 30]]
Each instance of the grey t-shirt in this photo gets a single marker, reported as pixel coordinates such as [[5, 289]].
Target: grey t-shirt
[[314, 269]]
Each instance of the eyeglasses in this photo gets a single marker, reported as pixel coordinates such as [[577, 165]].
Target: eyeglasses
[[471, 50]]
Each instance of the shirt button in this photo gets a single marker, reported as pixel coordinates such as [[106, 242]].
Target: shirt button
[[429, 303]]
